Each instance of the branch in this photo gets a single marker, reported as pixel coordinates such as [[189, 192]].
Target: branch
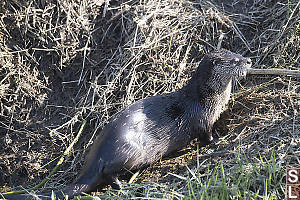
[[273, 71]]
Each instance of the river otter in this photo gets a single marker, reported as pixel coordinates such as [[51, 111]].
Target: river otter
[[156, 126]]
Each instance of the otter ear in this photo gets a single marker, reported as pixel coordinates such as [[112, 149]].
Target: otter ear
[[216, 62]]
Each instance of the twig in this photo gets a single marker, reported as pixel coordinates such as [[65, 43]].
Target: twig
[[55, 169], [280, 34], [242, 37], [273, 71]]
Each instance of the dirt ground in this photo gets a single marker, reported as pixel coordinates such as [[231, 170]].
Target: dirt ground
[[65, 61]]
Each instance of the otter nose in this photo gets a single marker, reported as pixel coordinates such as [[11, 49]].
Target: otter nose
[[249, 62]]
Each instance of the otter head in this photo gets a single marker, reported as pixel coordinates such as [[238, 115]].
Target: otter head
[[226, 66]]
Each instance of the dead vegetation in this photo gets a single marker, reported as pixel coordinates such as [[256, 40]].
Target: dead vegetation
[[64, 61]]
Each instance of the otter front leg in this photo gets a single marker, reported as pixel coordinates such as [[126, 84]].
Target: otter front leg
[[211, 138], [205, 138], [215, 136], [202, 130]]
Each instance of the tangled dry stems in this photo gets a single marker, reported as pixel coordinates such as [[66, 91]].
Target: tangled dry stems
[[62, 61]]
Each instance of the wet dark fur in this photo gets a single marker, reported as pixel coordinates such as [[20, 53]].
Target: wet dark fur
[[154, 127]]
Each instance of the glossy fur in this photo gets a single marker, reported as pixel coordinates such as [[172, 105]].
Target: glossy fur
[[154, 127]]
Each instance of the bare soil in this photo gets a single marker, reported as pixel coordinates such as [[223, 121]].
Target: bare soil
[[65, 61]]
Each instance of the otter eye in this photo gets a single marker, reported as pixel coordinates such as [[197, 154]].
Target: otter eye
[[249, 61], [236, 60]]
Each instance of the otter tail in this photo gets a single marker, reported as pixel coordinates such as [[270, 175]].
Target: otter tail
[[70, 191], [79, 186], [90, 179]]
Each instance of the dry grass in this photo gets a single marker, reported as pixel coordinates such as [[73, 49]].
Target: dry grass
[[64, 61]]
